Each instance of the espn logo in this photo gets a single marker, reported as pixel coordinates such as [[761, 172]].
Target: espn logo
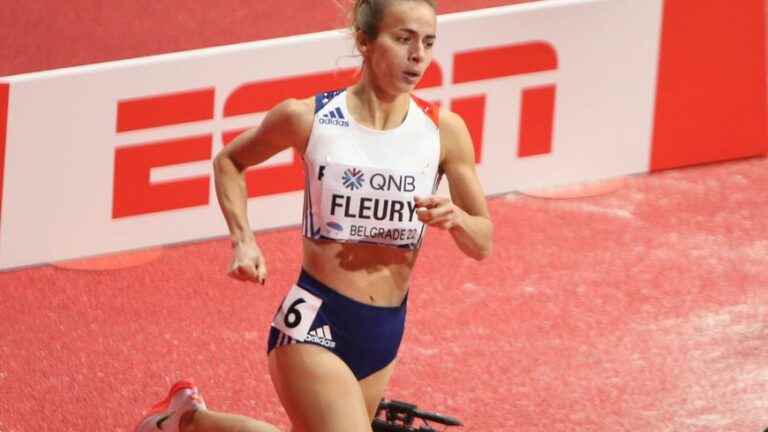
[[134, 193], [537, 103]]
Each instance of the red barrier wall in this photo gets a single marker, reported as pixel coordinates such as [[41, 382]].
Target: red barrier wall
[[40, 35], [711, 98]]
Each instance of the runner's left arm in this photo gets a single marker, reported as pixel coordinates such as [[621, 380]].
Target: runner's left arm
[[465, 214]]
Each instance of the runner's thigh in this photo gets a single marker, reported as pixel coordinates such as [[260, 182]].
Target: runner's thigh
[[317, 390], [374, 386]]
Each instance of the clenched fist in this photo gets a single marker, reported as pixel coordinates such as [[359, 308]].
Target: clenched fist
[[248, 263], [438, 211]]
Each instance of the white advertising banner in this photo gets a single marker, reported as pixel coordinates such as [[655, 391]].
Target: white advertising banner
[[117, 156]]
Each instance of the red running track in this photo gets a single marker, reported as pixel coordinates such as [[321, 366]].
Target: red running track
[[642, 310]]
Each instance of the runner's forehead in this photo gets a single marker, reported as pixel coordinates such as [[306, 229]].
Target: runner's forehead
[[416, 17]]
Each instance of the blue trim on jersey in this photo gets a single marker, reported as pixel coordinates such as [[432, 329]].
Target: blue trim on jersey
[[438, 177], [324, 98]]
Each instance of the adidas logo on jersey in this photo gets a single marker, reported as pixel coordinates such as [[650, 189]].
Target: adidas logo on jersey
[[334, 117], [321, 336]]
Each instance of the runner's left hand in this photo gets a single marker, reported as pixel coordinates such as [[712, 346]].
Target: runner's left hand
[[438, 211]]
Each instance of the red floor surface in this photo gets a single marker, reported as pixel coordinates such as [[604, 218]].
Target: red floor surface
[[642, 310]]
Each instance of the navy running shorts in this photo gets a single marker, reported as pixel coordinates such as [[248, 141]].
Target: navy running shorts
[[364, 336]]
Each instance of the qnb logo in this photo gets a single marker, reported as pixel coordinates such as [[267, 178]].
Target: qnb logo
[[389, 182], [352, 179], [334, 117], [134, 194]]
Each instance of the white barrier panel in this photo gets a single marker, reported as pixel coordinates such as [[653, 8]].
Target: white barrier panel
[[117, 156]]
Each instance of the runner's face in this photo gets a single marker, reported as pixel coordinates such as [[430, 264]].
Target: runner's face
[[398, 57]]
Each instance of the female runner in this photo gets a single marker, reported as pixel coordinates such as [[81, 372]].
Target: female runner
[[373, 155]]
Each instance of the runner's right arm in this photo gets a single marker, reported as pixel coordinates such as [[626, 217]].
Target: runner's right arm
[[287, 125]]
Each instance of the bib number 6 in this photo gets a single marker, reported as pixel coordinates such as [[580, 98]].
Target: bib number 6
[[292, 317], [297, 313]]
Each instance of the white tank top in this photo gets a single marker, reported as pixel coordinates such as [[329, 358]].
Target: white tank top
[[360, 182]]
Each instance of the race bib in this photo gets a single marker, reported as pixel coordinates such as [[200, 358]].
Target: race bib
[[297, 313], [371, 204]]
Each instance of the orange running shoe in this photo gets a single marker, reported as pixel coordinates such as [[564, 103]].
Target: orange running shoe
[[165, 415]]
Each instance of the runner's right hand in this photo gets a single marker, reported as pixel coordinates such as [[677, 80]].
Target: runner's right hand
[[248, 263]]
